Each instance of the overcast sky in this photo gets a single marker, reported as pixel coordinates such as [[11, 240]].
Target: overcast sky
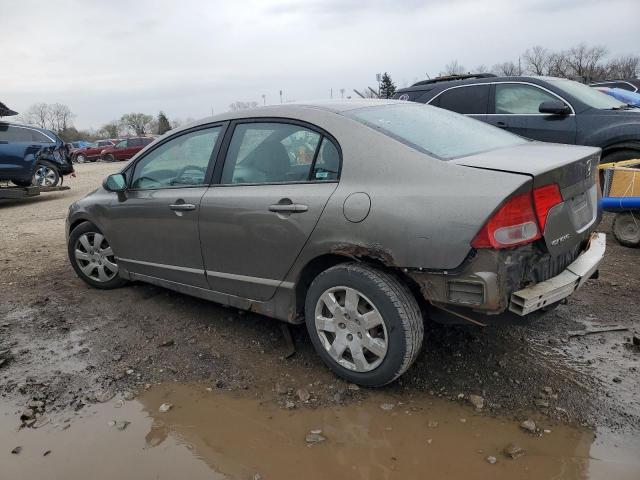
[[187, 57]]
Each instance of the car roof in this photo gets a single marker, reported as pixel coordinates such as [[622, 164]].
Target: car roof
[[288, 110], [468, 80], [13, 124]]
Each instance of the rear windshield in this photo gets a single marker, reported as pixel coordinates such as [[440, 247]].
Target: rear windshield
[[437, 132]]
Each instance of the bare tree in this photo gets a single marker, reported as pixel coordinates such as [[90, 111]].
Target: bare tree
[[60, 117], [453, 68], [537, 60], [238, 105], [506, 69], [624, 66], [482, 68], [38, 115], [584, 60], [138, 123]]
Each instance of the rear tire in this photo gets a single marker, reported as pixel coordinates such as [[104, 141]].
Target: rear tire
[[375, 330], [626, 229], [46, 174], [108, 158], [92, 258]]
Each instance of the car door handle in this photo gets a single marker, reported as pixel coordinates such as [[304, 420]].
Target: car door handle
[[288, 207], [502, 124], [182, 207]]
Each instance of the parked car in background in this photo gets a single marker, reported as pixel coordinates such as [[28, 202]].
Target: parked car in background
[[79, 144], [92, 151], [625, 96], [356, 217], [32, 156], [632, 84], [541, 108], [125, 149]]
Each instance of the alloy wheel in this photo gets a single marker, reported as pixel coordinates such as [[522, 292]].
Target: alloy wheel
[[45, 176], [95, 257], [351, 329]]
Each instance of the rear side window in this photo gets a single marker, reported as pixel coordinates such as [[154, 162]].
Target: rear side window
[[514, 98], [147, 141], [469, 100], [270, 153], [412, 96], [40, 137], [435, 131], [327, 166], [134, 142]]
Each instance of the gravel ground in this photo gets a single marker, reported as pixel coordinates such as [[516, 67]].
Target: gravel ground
[[70, 345]]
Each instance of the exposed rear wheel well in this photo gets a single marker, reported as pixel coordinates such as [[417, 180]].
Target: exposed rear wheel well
[[324, 262]]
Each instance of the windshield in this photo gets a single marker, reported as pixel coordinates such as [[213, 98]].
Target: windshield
[[435, 131], [586, 94]]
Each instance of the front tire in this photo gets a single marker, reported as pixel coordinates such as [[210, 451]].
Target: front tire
[[364, 323], [92, 257], [80, 158]]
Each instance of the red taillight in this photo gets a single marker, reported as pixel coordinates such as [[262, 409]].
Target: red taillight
[[513, 224], [544, 199]]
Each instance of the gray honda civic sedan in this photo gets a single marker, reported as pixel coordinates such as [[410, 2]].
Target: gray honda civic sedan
[[360, 218]]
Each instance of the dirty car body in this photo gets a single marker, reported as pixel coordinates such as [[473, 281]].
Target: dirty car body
[[467, 218]]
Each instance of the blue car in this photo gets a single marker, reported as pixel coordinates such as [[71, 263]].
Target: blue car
[[32, 156]]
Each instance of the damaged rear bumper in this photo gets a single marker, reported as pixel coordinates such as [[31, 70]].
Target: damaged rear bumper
[[512, 283], [561, 286]]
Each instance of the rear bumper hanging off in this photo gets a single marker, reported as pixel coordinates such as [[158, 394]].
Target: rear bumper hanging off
[[561, 286]]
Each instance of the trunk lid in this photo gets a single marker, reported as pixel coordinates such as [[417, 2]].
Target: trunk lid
[[573, 168]]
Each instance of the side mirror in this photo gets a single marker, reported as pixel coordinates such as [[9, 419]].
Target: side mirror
[[115, 183], [554, 107]]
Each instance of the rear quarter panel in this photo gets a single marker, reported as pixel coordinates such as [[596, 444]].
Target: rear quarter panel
[[424, 212]]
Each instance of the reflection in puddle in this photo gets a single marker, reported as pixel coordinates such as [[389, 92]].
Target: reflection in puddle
[[214, 435]]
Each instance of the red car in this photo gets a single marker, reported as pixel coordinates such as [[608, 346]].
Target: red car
[[125, 149], [91, 152]]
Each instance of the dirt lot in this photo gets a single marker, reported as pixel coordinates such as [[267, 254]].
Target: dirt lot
[[73, 348]]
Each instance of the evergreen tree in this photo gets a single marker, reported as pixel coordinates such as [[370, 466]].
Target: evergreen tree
[[387, 87], [163, 123]]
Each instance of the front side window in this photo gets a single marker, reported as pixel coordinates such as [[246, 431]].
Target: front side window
[[468, 100], [134, 142], [122, 144], [181, 162], [270, 153], [515, 98], [435, 131]]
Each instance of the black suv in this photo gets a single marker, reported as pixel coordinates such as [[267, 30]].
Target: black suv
[[541, 108]]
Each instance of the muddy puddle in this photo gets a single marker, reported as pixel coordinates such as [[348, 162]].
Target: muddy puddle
[[216, 435]]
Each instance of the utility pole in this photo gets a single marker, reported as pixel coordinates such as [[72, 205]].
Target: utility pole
[[342, 93], [331, 94], [378, 79], [264, 99], [280, 96]]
